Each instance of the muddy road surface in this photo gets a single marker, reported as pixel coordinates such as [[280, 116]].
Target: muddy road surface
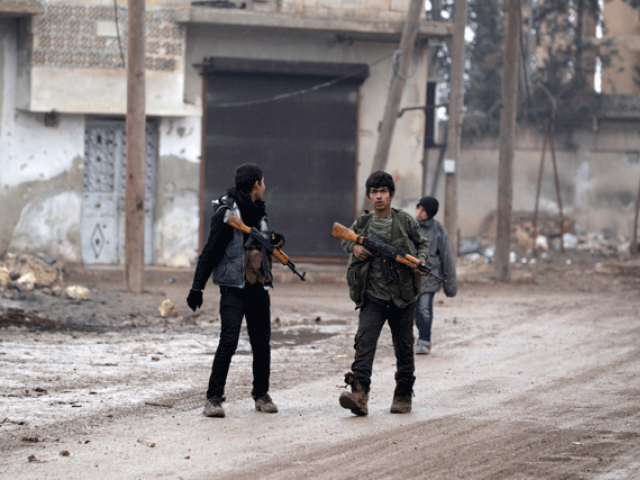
[[535, 379]]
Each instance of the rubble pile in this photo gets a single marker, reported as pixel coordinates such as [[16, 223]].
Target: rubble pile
[[24, 272], [549, 238]]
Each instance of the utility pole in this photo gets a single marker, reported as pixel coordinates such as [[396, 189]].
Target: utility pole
[[507, 140], [407, 44], [432, 74], [456, 102], [134, 199]]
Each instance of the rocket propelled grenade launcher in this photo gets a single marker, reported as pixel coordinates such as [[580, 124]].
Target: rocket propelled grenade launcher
[[376, 246], [257, 237]]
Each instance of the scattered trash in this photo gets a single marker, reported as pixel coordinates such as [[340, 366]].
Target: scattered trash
[[577, 443], [77, 292], [542, 243], [172, 280], [146, 443], [570, 241], [512, 257], [167, 309], [35, 439], [469, 246]]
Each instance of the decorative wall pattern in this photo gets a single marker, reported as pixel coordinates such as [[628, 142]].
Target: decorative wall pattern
[[85, 36]]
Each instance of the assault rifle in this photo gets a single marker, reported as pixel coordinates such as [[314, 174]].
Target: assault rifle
[[257, 237], [377, 246]]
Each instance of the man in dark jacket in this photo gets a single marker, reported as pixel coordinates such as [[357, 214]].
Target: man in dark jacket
[[243, 274], [441, 262], [383, 290]]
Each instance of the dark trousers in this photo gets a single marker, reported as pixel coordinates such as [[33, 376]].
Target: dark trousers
[[253, 303], [424, 316], [373, 314]]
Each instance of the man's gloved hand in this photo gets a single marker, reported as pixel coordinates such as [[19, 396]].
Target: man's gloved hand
[[277, 239], [194, 300]]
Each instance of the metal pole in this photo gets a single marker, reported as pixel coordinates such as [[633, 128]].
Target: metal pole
[[507, 140], [454, 134], [540, 171], [407, 43], [134, 208], [557, 180]]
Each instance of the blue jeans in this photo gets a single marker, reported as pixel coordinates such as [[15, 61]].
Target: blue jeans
[[424, 317]]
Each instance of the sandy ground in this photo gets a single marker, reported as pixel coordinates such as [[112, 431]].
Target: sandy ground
[[535, 379]]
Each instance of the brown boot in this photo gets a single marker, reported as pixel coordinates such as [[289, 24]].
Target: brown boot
[[402, 397], [355, 400]]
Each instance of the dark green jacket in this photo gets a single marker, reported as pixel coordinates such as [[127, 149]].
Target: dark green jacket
[[406, 234]]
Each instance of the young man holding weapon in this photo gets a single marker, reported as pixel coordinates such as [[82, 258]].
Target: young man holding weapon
[[384, 284], [237, 256]]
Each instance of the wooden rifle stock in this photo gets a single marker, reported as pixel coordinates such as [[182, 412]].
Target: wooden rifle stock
[[282, 257], [343, 233]]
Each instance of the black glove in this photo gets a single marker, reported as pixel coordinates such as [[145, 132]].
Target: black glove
[[194, 300], [277, 239]]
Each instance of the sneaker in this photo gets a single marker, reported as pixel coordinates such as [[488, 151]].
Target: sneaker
[[213, 407], [423, 348], [265, 404]]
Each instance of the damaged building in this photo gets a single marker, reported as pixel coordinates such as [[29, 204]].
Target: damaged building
[[213, 70]]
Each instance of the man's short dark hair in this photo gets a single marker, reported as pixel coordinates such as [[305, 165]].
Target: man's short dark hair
[[380, 180], [247, 175]]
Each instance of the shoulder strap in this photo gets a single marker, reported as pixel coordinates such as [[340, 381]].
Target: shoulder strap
[[362, 221]]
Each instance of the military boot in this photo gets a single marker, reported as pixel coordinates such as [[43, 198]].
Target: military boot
[[402, 396], [355, 400]]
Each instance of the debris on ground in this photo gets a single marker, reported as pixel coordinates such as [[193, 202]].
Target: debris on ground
[[77, 292], [167, 309]]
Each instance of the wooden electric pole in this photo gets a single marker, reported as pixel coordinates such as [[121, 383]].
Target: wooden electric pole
[[134, 199], [507, 140], [454, 129], [407, 43]]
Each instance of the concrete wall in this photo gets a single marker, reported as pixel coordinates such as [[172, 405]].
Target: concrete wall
[[178, 189], [599, 175], [40, 169]]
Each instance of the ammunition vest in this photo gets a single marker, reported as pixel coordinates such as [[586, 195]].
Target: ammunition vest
[[230, 271]]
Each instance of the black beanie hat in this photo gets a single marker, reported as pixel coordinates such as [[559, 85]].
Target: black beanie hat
[[247, 175], [430, 206]]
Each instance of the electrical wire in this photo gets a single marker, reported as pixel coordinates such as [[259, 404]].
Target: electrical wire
[[304, 91]]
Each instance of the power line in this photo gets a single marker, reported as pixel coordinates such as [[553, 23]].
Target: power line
[[304, 91]]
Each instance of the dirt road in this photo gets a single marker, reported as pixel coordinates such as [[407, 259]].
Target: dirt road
[[537, 379]]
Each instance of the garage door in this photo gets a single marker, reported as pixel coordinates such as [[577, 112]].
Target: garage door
[[303, 137]]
